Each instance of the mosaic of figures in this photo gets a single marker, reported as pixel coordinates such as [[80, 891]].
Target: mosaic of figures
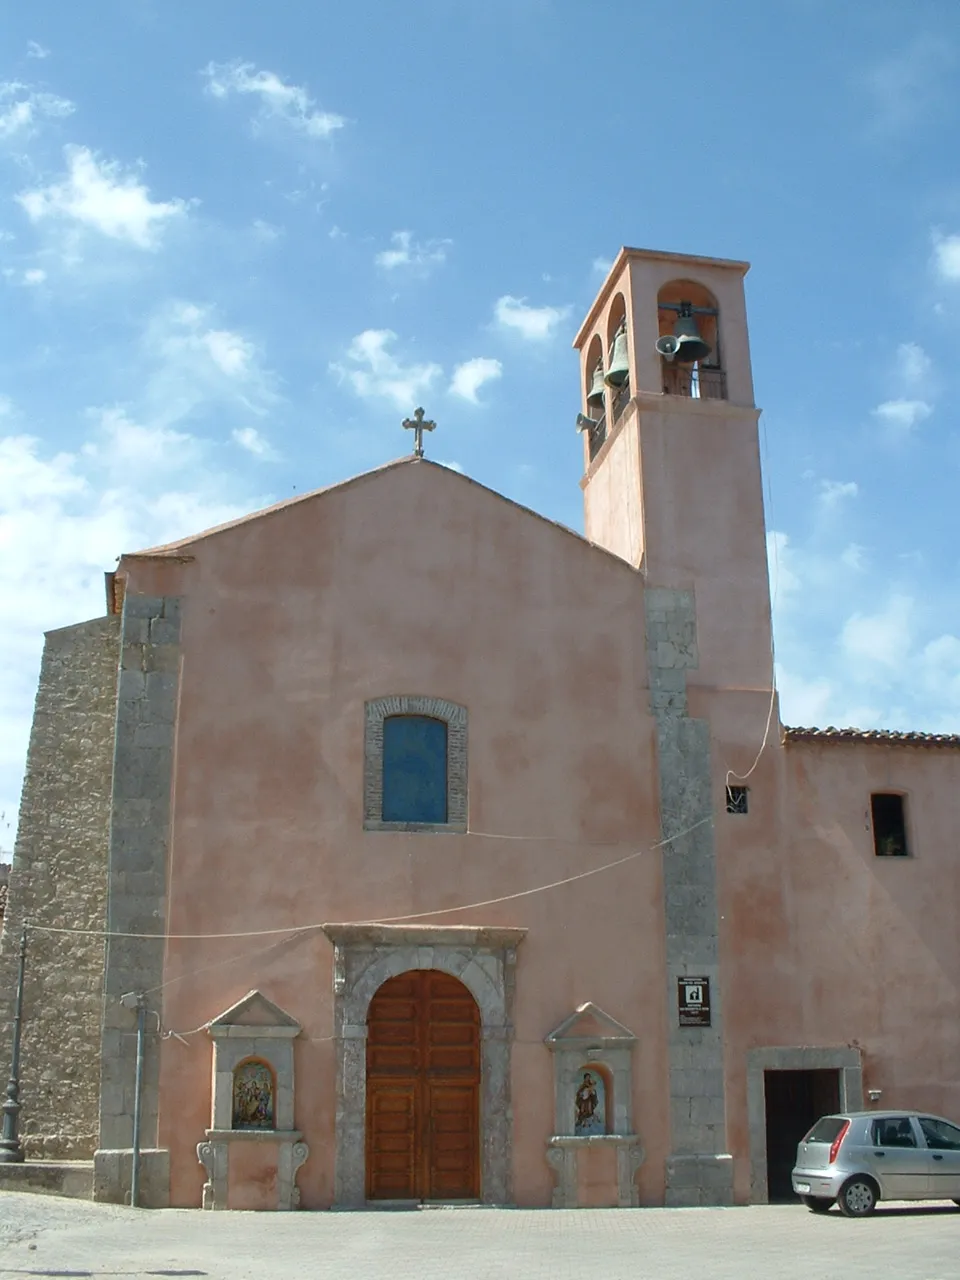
[[253, 1096]]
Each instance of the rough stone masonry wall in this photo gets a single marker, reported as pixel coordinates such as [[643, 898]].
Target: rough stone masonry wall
[[59, 878], [698, 1169]]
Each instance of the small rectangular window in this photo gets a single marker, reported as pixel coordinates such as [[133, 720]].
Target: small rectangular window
[[737, 799], [889, 825]]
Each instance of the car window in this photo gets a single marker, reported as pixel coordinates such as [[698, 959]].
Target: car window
[[940, 1135], [825, 1130], [893, 1131]]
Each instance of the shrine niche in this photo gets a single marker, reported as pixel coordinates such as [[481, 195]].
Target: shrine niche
[[594, 1151], [251, 1151], [253, 1092]]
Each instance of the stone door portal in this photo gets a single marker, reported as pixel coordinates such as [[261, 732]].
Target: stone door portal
[[423, 1090]]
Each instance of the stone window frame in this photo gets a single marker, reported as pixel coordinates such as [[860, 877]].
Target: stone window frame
[[454, 716]]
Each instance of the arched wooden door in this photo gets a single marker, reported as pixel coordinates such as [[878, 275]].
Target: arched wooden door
[[423, 1090]]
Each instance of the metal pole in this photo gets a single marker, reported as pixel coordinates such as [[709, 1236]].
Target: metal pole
[[11, 1152], [138, 1087]]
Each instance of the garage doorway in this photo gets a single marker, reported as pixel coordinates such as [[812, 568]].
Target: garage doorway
[[793, 1101]]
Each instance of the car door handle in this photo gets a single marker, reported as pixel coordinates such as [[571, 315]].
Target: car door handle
[[938, 1157], [879, 1154]]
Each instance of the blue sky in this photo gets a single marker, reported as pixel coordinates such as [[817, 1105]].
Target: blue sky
[[239, 242]]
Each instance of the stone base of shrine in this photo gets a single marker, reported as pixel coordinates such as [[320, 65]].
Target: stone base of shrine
[[112, 1173], [252, 1168], [595, 1172]]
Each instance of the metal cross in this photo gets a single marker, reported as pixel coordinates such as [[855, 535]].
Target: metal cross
[[418, 425]]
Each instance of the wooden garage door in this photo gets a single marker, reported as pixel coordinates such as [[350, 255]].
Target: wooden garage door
[[423, 1086]]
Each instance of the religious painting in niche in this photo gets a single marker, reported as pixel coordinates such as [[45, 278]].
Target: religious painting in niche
[[414, 769], [590, 1105], [253, 1096]]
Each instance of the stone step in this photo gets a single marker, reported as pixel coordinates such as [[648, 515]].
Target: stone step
[[70, 1178]]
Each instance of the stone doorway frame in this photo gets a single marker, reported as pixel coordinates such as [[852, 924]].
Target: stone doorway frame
[[484, 960], [846, 1061]]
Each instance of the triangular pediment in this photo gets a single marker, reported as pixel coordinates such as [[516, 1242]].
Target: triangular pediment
[[257, 1012], [589, 1024]]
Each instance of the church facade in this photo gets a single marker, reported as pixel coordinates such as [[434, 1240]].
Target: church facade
[[486, 873]]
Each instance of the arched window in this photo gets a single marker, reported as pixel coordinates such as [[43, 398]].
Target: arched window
[[414, 764], [414, 769]]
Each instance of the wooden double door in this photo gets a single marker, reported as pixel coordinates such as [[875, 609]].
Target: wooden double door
[[423, 1090]]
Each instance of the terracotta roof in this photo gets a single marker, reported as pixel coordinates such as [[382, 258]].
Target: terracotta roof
[[905, 739]]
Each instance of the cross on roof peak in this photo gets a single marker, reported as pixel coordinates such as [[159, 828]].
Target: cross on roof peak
[[418, 425]]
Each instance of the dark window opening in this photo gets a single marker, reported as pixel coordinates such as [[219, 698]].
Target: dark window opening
[[737, 799], [889, 825], [414, 769]]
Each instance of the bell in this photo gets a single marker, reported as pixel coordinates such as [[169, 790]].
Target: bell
[[595, 394], [619, 371], [690, 346]]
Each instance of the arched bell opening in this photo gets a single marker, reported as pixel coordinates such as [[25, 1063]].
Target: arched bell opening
[[594, 421], [617, 377], [688, 322]]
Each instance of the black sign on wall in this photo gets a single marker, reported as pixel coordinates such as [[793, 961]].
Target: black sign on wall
[[693, 1001]]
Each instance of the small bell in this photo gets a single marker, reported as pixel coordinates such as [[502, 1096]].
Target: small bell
[[690, 346], [619, 371], [595, 394]]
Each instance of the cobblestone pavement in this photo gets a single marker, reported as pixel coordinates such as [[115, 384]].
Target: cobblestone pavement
[[42, 1236]]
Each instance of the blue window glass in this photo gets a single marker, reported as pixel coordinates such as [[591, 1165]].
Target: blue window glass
[[414, 769]]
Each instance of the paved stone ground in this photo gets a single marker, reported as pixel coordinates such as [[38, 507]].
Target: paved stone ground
[[42, 1236]]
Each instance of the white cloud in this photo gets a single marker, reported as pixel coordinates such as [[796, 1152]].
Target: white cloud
[[533, 323], [229, 351], [34, 275], [470, 376], [22, 107], [374, 371], [266, 231], [784, 581], [946, 256], [407, 252], [602, 265], [804, 702], [97, 194], [854, 556], [128, 448], [913, 364], [882, 639], [249, 438], [451, 466], [35, 50], [193, 361], [64, 518], [832, 492], [278, 100], [901, 416]]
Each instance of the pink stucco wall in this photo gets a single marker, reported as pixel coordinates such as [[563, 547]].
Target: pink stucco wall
[[291, 621]]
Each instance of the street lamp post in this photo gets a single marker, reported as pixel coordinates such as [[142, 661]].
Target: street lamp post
[[11, 1152]]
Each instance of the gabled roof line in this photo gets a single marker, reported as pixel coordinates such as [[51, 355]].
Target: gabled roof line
[[174, 550]]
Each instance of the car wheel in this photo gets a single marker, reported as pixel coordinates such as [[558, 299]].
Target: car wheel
[[816, 1204], [857, 1198]]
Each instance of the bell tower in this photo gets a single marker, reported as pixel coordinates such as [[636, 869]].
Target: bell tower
[[671, 460], [672, 484]]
